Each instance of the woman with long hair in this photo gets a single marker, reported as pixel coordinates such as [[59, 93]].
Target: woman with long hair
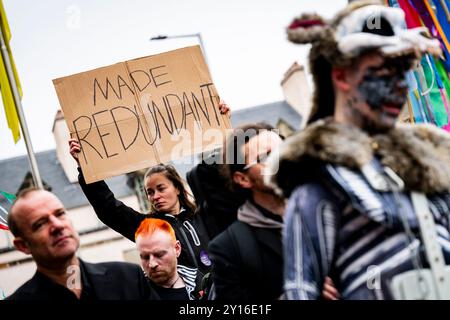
[[169, 201]]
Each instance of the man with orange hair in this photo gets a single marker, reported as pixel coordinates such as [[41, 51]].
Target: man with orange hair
[[159, 250]]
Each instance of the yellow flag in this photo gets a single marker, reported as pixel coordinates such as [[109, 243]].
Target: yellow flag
[[5, 87]]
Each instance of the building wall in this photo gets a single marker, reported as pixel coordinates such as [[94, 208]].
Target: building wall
[[100, 246], [61, 135], [296, 91], [13, 277]]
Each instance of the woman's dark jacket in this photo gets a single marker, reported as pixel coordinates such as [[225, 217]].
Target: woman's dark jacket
[[125, 220]]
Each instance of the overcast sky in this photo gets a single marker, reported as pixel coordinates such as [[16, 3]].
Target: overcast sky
[[244, 40]]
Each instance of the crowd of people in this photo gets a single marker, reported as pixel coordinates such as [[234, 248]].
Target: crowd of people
[[354, 206]]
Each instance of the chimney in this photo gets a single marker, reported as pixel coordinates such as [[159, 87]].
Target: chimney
[[296, 91], [61, 135]]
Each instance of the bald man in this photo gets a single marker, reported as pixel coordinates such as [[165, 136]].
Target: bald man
[[41, 228]]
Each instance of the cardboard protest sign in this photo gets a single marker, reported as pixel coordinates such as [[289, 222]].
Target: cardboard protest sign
[[137, 113]]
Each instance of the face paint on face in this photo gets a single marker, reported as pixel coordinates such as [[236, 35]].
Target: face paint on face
[[385, 93], [376, 91]]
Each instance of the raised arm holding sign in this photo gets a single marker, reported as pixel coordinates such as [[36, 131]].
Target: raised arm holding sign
[[169, 201], [134, 115]]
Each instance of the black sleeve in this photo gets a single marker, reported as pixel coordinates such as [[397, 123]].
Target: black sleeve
[[112, 212], [148, 293], [226, 270]]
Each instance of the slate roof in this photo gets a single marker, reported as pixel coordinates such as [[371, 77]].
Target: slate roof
[[270, 113], [13, 171]]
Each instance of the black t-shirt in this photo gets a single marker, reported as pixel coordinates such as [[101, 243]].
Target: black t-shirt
[[171, 293], [62, 293]]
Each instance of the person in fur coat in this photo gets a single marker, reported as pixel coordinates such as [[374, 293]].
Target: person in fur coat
[[352, 175]]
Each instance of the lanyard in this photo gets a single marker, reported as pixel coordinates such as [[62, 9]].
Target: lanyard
[[432, 247]]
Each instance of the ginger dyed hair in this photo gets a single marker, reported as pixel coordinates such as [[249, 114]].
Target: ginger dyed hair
[[150, 225]]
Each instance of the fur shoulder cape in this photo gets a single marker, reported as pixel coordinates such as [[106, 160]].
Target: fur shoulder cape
[[419, 154]]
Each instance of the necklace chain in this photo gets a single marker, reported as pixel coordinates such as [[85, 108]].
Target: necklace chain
[[175, 281]]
